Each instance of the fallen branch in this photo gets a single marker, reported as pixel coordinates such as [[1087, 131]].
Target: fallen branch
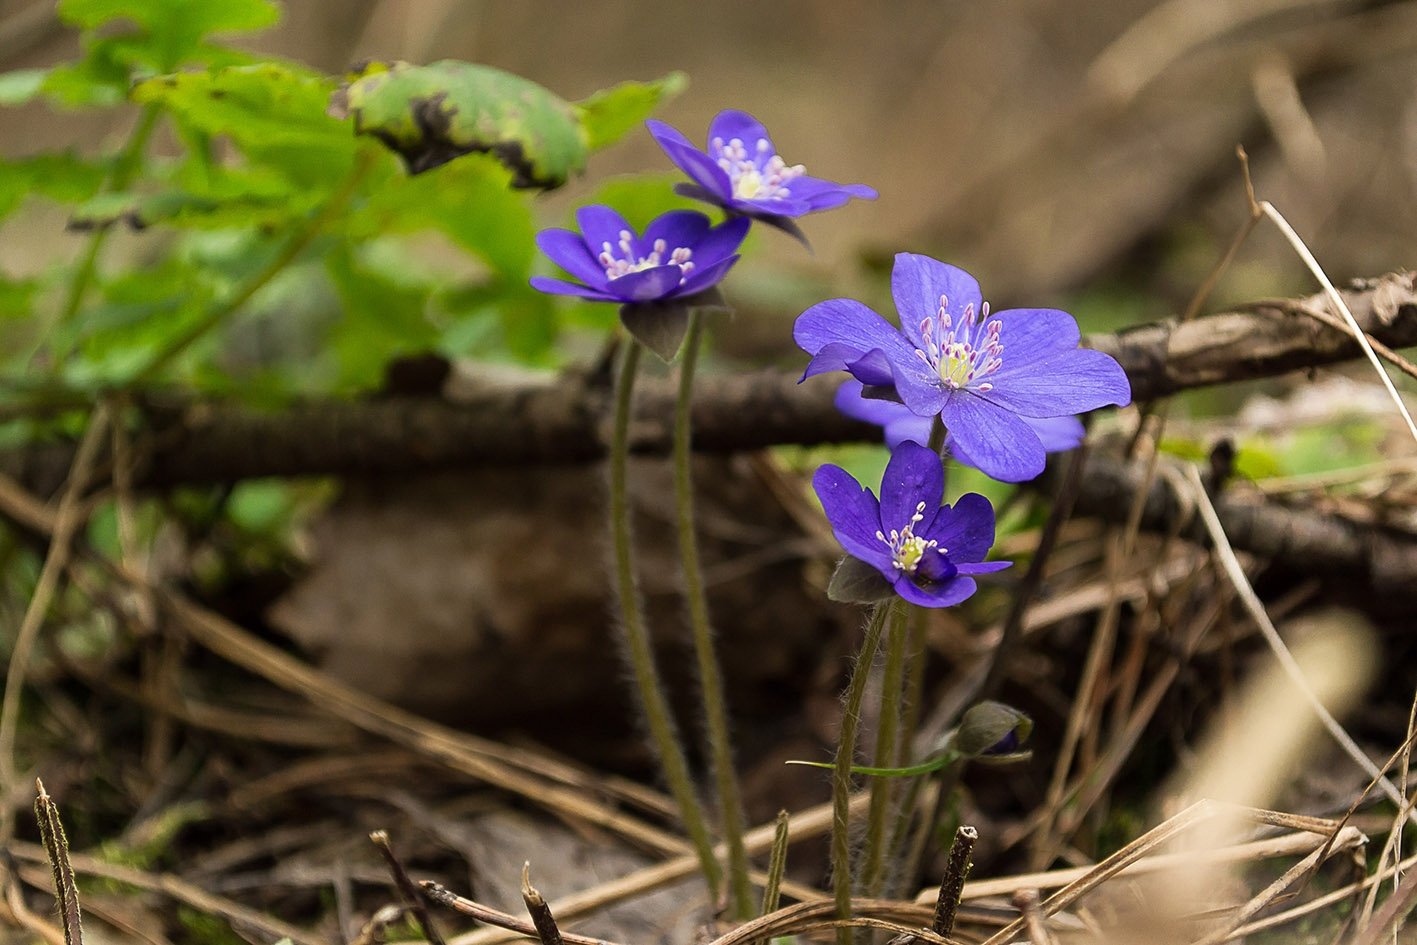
[[558, 420]]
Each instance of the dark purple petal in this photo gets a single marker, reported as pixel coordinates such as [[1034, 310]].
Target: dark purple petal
[[1071, 382], [998, 443], [850, 324], [561, 287], [965, 530], [1031, 334], [732, 124], [678, 228], [647, 285], [855, 516], [701, 278], [873, 368], [568, 250], [983, 567], [945, 594], [721, 241], [599, 225], [913, 476], [917, 282], [934, 567]]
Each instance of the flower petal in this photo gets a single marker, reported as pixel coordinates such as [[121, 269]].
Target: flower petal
[[935, 567], [997, 443], [965, 530], [914, 477], [721, 241], [664, 134], [562, 287], [983, 567], [678, 228], [820, 194], [731, 123], [1030, 334], [647, 285], [701, 278], [849, 400], [599, 225], [855, 516], [702, 168], [944, 594], [568, 250], [1067, 383], [918, 282], [852, 325]]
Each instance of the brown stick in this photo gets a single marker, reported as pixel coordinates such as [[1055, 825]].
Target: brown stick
[[557, 421], [952, 886], [407, 891], [546, 928], [56, 847], [445, 897]]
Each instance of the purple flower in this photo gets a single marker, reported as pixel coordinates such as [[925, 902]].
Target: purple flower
[[982, 373], [679, 255], [926, 551], [741, 171], [901, 423]]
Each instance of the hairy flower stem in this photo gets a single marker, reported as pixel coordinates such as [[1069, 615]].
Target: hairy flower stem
[[841, 770], [883, 790], [663, 737], [730, 798]]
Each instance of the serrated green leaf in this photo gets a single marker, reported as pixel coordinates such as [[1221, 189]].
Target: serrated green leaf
[[273, 112], [171, 32], [433, 114], [611, 113]]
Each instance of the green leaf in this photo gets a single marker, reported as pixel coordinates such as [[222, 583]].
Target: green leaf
[[639, 198], [21, 85], [171, 32], [856, 582], [938, 763], [610, 114], [273, 112], [381, 317], [62, 177], [184, 209], [432, 114]]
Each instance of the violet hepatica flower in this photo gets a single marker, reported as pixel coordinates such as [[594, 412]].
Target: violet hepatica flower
[[742, 171], [926, 551], [900, 423], [981, 372], [679, 255]]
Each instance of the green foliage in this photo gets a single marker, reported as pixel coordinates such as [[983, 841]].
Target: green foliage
[[278, 252]]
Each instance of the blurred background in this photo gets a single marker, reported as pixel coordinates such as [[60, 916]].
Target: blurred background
[[1054, 149]]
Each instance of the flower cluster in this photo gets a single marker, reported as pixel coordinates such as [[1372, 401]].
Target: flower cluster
[[1005, 387]]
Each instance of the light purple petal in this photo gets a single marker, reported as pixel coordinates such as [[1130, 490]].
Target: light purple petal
[[647, 285], [568, 250], [848, 323], [917, 282], [561, 287], [678, 228], [599, 225], [774, 207], [880, 412], [983, 567], [966, 529], [1068, 383], [1057, 433], [701, 278], [1031, 334], [854, 515], [998, 443], [732, 124], [913, 476], [664, 134], [702, 168], [908, 428], [946, 594]]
